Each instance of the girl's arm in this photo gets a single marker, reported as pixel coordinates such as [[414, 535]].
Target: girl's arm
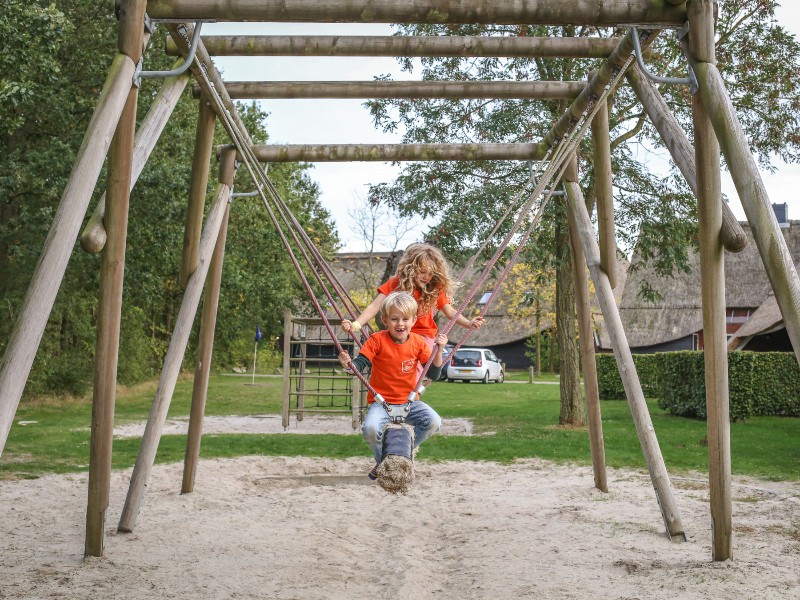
[[365, 316], [466, 323]]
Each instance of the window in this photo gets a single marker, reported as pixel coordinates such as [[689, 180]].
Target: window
[[485, 298]]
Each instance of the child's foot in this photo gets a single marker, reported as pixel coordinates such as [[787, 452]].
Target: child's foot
[[373, 474]]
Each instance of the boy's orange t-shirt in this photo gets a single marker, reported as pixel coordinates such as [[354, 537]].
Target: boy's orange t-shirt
[[425, 325], [394, 366]]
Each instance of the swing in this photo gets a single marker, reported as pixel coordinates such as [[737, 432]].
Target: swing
[[395, 471]]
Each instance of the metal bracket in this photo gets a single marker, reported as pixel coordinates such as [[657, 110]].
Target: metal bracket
[[139, 74], [691, 80]]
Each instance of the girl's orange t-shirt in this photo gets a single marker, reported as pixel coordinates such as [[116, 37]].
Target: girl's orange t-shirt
[[425, 325]]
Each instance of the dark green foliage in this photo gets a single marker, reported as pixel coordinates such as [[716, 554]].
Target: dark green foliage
[[54, 59], [759, 383]]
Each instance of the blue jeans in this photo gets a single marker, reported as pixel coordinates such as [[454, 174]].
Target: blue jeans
[[421, 417]]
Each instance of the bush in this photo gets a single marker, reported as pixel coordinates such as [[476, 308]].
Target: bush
[[610, 382], [759, 383]]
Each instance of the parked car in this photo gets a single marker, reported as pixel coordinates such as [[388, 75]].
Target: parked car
[[475, 364]]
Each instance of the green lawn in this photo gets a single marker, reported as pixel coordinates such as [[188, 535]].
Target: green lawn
[[516, 420]]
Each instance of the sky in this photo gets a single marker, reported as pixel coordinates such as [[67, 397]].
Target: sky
[[344, 185]]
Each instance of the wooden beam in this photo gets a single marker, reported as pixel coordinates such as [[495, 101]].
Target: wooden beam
[[543, 12], [712, 290], [627, 368], [172, 364], [93, 237], [109, 316], [604, 191], [35, 310], [205, 345], [540, 90], [109, 308], [201, 163], [406, 45], [591, 389], [681, 150], [395, 152]]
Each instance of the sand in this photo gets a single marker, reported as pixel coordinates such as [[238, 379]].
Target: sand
[[304, 528]]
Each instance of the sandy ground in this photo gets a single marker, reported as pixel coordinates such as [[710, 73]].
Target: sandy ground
[[302, 528]]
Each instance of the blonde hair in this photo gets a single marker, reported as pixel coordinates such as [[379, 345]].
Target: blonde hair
[[402, 301], [419, 256]]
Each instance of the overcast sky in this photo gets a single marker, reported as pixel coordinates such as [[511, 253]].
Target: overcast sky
[[348, 121]]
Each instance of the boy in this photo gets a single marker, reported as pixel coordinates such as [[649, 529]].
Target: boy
[[392, 356]]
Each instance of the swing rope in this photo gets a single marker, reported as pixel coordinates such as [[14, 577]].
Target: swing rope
[[566, 147], [262, 182], [303, 242]]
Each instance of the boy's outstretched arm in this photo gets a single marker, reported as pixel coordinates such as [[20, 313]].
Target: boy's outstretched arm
[[365, 317]]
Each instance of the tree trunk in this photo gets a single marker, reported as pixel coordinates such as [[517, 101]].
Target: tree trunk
[[571, 412]]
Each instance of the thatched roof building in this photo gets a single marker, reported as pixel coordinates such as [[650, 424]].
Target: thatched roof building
[[675, 322]]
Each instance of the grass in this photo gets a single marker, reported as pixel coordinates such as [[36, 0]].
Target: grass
[[51, 435]]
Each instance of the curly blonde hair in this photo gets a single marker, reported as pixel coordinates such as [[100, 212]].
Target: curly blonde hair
[[424, 256]]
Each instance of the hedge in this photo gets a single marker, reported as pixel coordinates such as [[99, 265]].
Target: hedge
[[759, 383]]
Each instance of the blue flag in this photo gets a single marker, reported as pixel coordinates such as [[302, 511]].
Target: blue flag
[[258, 333]]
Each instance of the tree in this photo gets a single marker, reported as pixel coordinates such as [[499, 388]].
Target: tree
[[54, 60], [755, 55]]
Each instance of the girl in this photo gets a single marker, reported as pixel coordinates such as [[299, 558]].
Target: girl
[[423, 272]]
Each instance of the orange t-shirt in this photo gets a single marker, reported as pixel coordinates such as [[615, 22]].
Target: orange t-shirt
[[394, 366], [425, 324]]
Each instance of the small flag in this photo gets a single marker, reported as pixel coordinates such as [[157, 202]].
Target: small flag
[[258, 333]]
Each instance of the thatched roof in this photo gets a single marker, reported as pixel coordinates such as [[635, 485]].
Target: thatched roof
[[679, 311], [354, 270]]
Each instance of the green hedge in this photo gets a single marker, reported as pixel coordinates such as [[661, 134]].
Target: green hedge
[[610, 383], [760, 383]]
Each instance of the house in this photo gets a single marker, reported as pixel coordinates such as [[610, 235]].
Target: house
[[675, 321]]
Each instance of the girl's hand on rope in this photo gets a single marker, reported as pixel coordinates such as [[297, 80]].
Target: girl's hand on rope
[[351, 326], [440, 340], [476, 323]]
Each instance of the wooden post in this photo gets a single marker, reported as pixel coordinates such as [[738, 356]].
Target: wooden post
[[301, 373], [712, 286], [540, 90], [206, 343], [112, 272], [681, 150], [49, 272], [627, 369], [550, 12], [93, 237], [403, 45], [109, 314], [604, 191], [203, 144], [591, 389], [355, 401], [287, 367], [768, 237], [172, 365]]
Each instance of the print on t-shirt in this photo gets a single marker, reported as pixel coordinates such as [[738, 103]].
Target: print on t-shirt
[[408, 365]]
